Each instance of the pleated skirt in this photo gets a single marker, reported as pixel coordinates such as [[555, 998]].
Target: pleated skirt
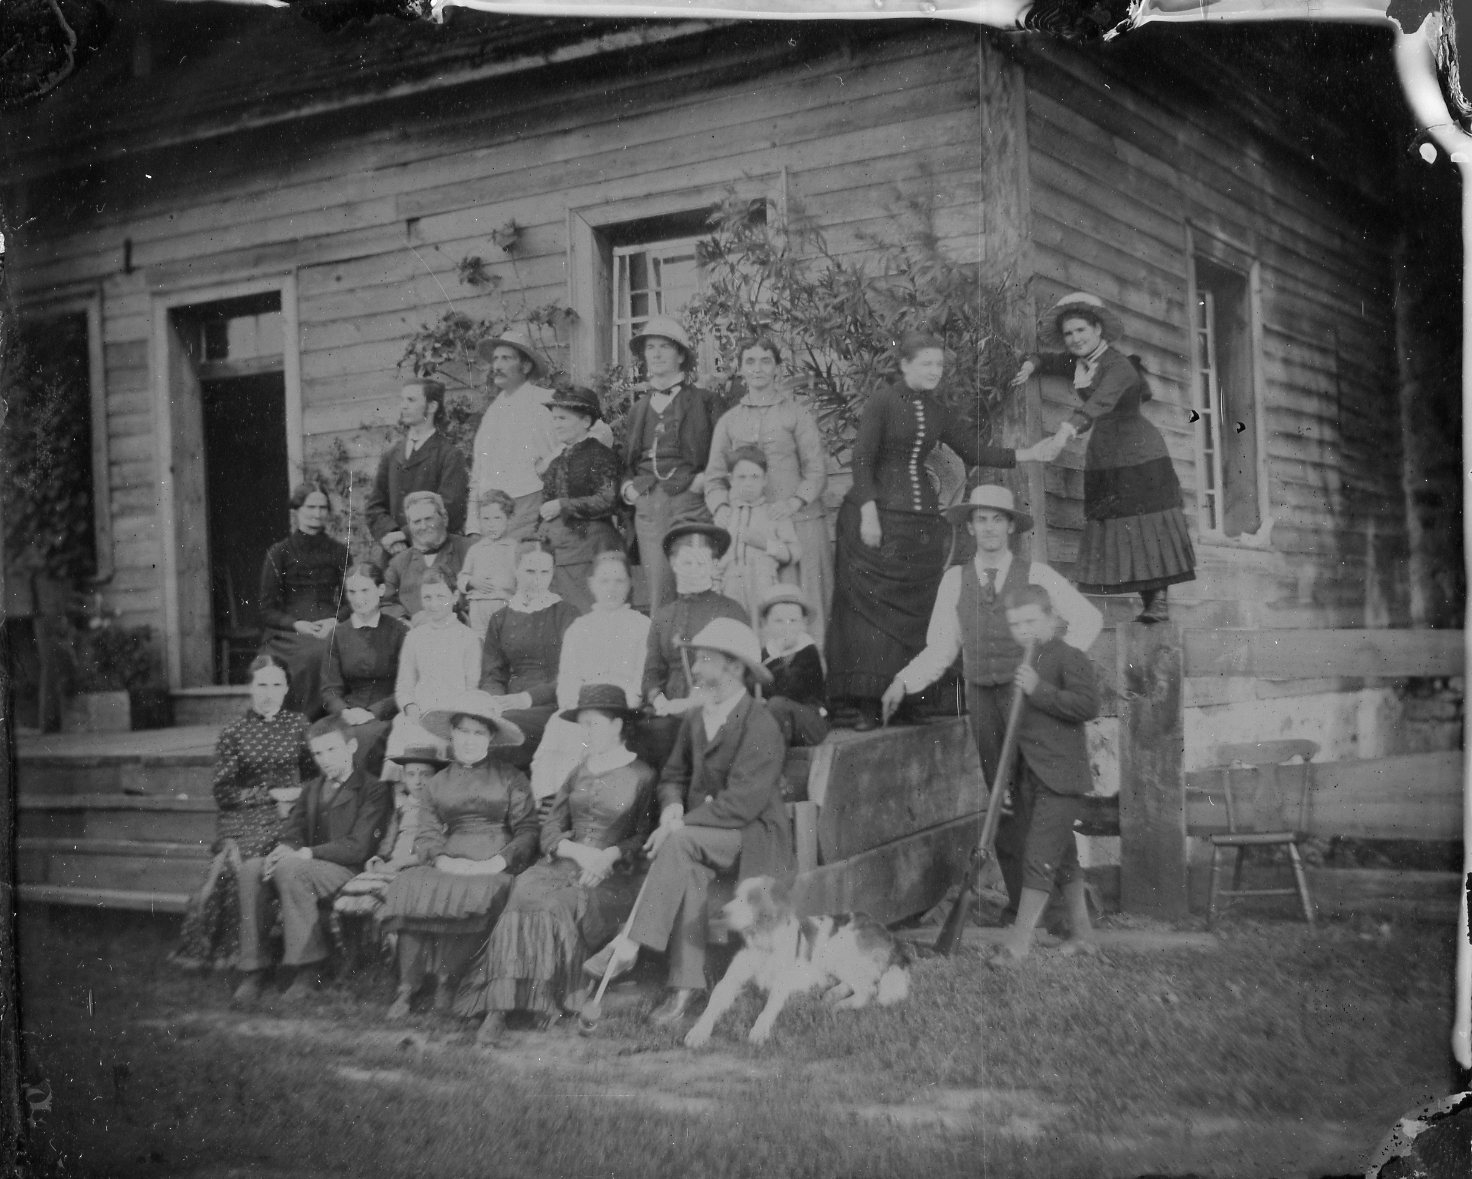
[[425, 900], [534, 956], [1127, 554]]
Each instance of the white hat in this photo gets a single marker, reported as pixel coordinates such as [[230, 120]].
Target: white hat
[[661, 325], [989, 495], [482, 706], [735, 639], [523, 344], [1050, 332]]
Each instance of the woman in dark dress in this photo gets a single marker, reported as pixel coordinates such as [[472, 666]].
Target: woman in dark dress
[[585, 885], [522, 648], [477, 829], [579, 496], [362, 665], [301, 597], [264, 750], [1135, 537], [892, 540]]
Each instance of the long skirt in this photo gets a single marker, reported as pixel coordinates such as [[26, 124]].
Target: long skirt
[[304, 656], [534, 957], [882, 598], [423, 899], [1135, 536], [210, 937]]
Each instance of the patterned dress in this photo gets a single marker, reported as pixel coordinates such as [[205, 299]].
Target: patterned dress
[[534, 957], [255, 755]]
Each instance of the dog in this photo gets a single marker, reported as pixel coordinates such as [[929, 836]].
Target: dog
[[852, 955]]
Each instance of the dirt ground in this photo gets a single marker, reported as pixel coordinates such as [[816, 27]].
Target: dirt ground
[[1276, 1053]]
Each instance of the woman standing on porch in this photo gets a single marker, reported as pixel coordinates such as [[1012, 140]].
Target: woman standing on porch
[[302, 598], [1135, 538], [892, 540], [769, 418]]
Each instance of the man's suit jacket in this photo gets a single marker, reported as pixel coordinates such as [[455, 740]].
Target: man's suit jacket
[[735, 782], [406, 570], [437, 465], [347, 830], [696, 429], [1050, 734]]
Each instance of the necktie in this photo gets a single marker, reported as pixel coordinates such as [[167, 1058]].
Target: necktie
[[991, 585]]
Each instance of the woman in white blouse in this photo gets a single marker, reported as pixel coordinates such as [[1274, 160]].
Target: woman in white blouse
[[605, 646]]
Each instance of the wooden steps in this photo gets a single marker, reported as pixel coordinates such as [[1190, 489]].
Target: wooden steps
[[104, 898], [155, 762]]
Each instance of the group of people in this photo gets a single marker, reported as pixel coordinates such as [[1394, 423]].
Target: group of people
[[495, 742]]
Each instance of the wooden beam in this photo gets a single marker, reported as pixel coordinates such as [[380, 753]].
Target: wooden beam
[[1293, 654], [1152, 804]]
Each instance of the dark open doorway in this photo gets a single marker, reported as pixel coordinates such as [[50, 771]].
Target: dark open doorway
[[246, 484]]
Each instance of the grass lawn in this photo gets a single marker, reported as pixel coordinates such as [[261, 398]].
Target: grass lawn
[[1280, 1053]]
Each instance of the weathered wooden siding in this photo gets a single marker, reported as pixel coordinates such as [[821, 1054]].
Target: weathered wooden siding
[[1119, 169], [371, 214]]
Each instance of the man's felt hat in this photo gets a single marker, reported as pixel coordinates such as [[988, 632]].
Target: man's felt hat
[[989, 495], [735, 639]]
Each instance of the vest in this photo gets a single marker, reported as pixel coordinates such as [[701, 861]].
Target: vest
[[989, 656], [662, 433]]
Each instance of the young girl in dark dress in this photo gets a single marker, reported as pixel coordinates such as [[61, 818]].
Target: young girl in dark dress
[[362, 665]]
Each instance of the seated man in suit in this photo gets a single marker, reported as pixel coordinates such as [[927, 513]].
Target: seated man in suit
[[433, 546], [721, 811], [334, 826]]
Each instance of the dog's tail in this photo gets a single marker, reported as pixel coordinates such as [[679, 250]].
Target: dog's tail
[[894, 985]]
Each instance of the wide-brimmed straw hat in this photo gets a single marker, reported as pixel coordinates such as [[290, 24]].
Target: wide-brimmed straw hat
[[425, 754], [523, 344], [579, 399], [720, 539], [609, 698], [660, 325], [735, 639], [774, 595], [1049, 332], [989, 495], [480, 705]]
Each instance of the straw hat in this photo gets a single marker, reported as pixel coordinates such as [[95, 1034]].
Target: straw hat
[[735, 639], [579, 399], [660, 325], [523, 344], [775, 594], [720, 539], [608, 698], [1079, 301], [989, 495], [425, 754], [482, 706]]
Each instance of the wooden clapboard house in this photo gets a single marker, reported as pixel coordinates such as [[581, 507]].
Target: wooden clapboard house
[[245, 217]]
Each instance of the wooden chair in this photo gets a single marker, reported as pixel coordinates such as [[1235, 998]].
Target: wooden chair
[[1258, 818]]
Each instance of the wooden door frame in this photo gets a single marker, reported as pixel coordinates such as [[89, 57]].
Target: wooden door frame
[[161, 305]]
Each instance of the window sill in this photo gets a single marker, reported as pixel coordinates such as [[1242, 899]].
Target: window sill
[[1261, 539]]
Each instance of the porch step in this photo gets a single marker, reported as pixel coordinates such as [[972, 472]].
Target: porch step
[[153, 762], [210, 706], [111, 865], [104, 898], [145, 820]]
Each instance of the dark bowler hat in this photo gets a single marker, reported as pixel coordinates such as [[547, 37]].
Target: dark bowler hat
[[427, 754], [608, 698], [579, 399], [719, 538]]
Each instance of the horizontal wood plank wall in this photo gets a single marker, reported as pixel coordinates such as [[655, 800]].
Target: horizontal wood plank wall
[[372, 214], [1117, 177]]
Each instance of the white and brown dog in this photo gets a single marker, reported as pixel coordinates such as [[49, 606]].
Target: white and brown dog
[[850, 954]]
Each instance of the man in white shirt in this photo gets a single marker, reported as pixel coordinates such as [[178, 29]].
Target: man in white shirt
[[969, 620], [515, 440]]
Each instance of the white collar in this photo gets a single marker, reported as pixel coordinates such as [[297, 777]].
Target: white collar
[[527, 606], [802, 641], [614, 759], [370, 624]]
